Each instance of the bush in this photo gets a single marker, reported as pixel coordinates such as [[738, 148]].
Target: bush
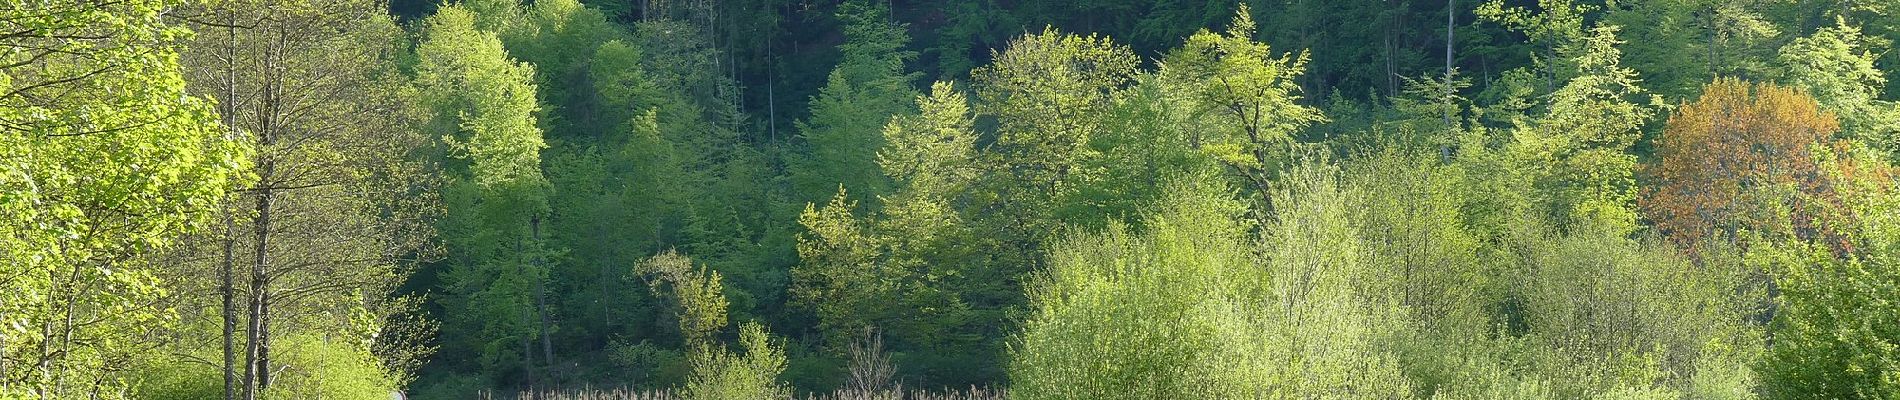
[[651, 366], [1182, 308], [314, 367], [307, 367], [722, 375], [718, 373], [181, 378], [1121, 315]]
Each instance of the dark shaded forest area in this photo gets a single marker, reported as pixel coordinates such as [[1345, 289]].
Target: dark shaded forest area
[[1032, 199]]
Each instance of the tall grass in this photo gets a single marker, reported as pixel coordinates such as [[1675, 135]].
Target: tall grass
[[898, 393], [870, 376]]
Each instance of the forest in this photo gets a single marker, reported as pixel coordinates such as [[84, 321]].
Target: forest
[[949, 199]]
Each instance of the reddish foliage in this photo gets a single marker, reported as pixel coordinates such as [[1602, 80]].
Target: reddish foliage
[[1729, 161]]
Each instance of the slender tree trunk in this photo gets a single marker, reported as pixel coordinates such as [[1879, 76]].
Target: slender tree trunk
[[541, 298], [771, 86], [67, 329], [263, 340], [45, 362], [229, 311], [1391, 88], [257, 359], [1444, 149], [225, 270], [1712, 41], [261, 246], [527, 353], [1392, 23], [526, 321]]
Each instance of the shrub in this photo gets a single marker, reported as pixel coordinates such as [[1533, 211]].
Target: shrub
[[314, 367], [722, 375], [1183, 309], [306, 367]]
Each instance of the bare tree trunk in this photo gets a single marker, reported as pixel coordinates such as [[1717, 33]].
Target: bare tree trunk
[[771, 86], [1390, 45], [226, 292], [527, 340], [541, 299], [256, 355], [225, 270], [527, 354], [1444, 149], [263, 341], [254, 346]]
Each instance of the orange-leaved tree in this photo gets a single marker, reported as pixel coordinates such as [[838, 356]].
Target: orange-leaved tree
[[1734, 158]]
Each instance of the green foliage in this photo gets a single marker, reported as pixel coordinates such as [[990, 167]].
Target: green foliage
[[484, 102], [1609, 316], [722, 375], [1326, 316], [341, 206], [1577, 152], [621, 84], [1427, 258], [174, 379], [1834, 331], [1084, 224], [1242, 99], [1836, 66], [702, 301], [1143, 315], [1377, 289], [651, 365], [1183, 309], [717, 373], [1668, 42], [837, 276], [1834, 325], [1146, 142], [1680, 45], [1434, 114], [868, 87], [560, 38], [1048, 92], [107, 162], [484, 105], [318, 367], [1553, 24], [932, 154], [905, 270], [312, 367]]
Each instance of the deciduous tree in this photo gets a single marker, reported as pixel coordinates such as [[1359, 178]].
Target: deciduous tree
[[107, 161], [1577, 152], [1243, 100], [338, 206], [483, 105], [1730, 161]]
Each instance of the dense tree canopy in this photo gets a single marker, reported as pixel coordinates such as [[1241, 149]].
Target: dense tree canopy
[[752, 199]]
